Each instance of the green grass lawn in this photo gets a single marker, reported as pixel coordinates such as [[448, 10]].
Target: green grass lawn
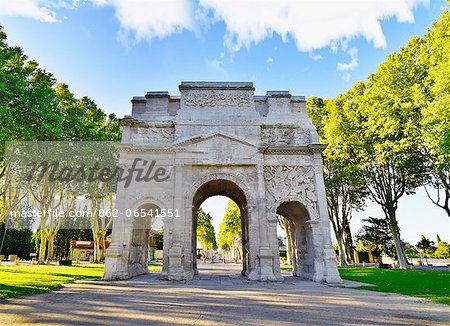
[[286, 268], [431, 285], [26, 279]]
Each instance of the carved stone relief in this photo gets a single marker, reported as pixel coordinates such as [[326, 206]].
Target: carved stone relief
[[284, 136], [290, 181], [218, 98], [278, 136], [149, 135]]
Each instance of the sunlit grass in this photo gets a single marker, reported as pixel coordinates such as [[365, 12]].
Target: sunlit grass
[[27, 279], [428, 284]]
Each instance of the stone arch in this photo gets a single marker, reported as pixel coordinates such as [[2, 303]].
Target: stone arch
[[236, 178], [147, 200], [280, 157], [221, 184], [310, 207], [301, 217], [142, 217]]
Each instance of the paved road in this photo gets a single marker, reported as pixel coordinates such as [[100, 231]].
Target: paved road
[[219, 296]]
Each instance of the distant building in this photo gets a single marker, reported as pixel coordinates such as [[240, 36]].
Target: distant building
[[83, 250]]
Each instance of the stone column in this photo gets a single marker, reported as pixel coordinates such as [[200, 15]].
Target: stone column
[[266, 263], [328, 256], [176, 251], [116, 264], [318, 254], [272, 230]]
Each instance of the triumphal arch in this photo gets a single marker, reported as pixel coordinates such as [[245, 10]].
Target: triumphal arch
[[221, 139]]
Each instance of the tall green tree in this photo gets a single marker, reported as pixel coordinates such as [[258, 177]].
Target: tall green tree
[[391, 156], [83, 119], [375, 236], [426, 245], [206, 235], [16, 237], [434, 96], [344, 185], [28, 109], [16, 242], [387, 151], [442, 250], [230, 231], [33, 107]]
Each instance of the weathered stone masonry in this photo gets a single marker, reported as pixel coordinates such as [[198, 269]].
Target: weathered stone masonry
[[220, 139]]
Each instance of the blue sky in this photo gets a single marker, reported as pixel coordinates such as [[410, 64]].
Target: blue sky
[[111, 50]]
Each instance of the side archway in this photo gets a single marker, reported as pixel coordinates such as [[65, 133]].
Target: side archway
[[144, 217], [301, 235]]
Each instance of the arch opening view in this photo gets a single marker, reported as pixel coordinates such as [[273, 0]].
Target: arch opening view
[[146, 246], [299, 247], [234, 244]]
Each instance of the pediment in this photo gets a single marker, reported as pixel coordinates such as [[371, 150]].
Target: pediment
[[219, 149], [217, 137]]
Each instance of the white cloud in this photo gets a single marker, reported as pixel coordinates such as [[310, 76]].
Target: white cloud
[[315, 56], [216, 66], [346, 76], [312, 24], [147, 19], [269, 62], [28, 8], [353, 53]]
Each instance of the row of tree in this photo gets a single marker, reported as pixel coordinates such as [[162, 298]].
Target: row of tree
[[34, 107], [375, 237], [229, 237], [428, 248], [389, 135], [206, 235]]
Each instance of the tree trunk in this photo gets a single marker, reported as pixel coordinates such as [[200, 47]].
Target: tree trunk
[[342, 253], [51, 246], [348, 243], [288, 242], [103, 242], [395, 232], [96, 246], [42, 247]]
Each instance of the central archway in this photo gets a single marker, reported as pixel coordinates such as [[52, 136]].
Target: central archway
[[227, 188]]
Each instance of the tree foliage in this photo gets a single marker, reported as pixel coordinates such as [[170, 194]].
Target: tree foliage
[[434, 97], [16, 242], [389, 133], [230, 227], [442, 250], [426, 246], [375, 236], [206, 235], [344, 187], [34, 107]]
